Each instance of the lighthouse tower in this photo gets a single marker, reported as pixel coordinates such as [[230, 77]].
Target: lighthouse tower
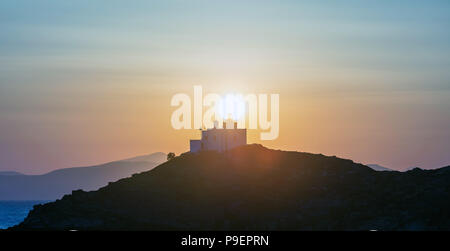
[[220, 139]]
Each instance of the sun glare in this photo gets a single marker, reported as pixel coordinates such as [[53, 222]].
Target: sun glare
[[232, 106]]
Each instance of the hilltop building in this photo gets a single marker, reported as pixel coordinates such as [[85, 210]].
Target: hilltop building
[[220, 139]]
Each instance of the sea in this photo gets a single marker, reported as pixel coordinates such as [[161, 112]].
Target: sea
[[14, 212]]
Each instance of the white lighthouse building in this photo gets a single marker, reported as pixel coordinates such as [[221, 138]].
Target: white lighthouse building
[[220, 139]]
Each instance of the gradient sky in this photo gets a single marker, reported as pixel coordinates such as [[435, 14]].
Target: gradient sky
[[85, 82]]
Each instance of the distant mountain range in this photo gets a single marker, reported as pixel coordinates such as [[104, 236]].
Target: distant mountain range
[[255, 188], [378, 167], [53, 185], [10, 173]]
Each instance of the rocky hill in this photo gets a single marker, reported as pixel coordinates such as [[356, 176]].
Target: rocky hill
[[255, 188]]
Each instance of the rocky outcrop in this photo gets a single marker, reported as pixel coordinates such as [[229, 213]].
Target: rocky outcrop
[[255, 188]]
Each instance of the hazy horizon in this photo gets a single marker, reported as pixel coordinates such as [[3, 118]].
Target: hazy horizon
[[84, 82]]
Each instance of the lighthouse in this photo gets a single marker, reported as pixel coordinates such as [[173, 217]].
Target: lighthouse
[[220, 139]]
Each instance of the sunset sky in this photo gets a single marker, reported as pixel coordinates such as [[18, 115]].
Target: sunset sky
[[86, 82]]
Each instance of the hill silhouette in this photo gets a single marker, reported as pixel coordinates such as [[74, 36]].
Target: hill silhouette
[[255, 188], [55, 184]]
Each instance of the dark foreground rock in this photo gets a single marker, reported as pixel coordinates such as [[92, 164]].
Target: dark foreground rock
[[255, 188]]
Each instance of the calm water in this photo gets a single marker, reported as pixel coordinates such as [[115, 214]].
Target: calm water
[[13, 212]]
